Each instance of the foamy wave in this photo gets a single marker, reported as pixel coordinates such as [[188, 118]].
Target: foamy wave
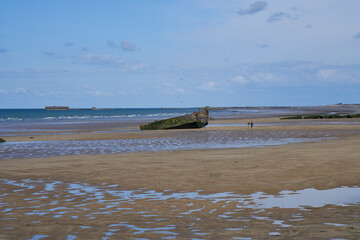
[[10, 119], [130, 115], [164, 114], [84, 117], [160, 115]]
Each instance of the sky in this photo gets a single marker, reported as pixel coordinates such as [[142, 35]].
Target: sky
[[179, 53]]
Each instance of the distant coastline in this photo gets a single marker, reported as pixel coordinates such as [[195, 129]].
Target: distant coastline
[[57, 108], [66, 108]]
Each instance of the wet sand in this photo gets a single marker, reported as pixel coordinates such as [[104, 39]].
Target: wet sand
[[52, 208]]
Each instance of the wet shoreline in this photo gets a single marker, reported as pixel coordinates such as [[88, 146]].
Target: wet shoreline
[[184, 140], [110, 212]]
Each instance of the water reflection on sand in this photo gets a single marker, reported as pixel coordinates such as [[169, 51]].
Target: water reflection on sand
[[172, 141], [110, 211]]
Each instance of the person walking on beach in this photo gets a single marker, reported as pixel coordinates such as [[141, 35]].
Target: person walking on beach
[[251, 124]]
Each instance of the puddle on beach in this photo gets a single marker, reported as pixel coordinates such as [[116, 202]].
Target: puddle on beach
[[105, 211], [309, 197], [174, 141]]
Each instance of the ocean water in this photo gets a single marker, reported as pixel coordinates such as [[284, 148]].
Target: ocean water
[[7, 115]]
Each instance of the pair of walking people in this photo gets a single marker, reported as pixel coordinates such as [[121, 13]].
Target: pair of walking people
[[251, 124]]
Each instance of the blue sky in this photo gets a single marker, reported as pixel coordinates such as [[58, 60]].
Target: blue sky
[[141, 53]]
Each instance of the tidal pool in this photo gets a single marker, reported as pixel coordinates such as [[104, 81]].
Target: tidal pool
[[310, 197]]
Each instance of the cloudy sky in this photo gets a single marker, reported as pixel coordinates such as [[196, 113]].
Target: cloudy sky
[[180, 53]]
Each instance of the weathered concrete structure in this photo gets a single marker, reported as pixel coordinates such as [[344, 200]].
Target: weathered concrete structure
[[193, 120]]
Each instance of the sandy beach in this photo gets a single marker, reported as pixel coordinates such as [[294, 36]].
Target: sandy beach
[[187, 194]]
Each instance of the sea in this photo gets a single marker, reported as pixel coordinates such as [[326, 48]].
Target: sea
[[7, 115]]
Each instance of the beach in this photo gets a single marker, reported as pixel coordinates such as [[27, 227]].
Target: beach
[[281, 179]]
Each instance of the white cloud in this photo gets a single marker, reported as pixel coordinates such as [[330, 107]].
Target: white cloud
[[262, 77], [240, 79], [2, 91], [134, 67], [325, 73], [20, 90], [173, 90], [345, 75], [165, 84], [101, 93], [140, 66], [208, 86], [102, 60], [178, 90], [96, 92]]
